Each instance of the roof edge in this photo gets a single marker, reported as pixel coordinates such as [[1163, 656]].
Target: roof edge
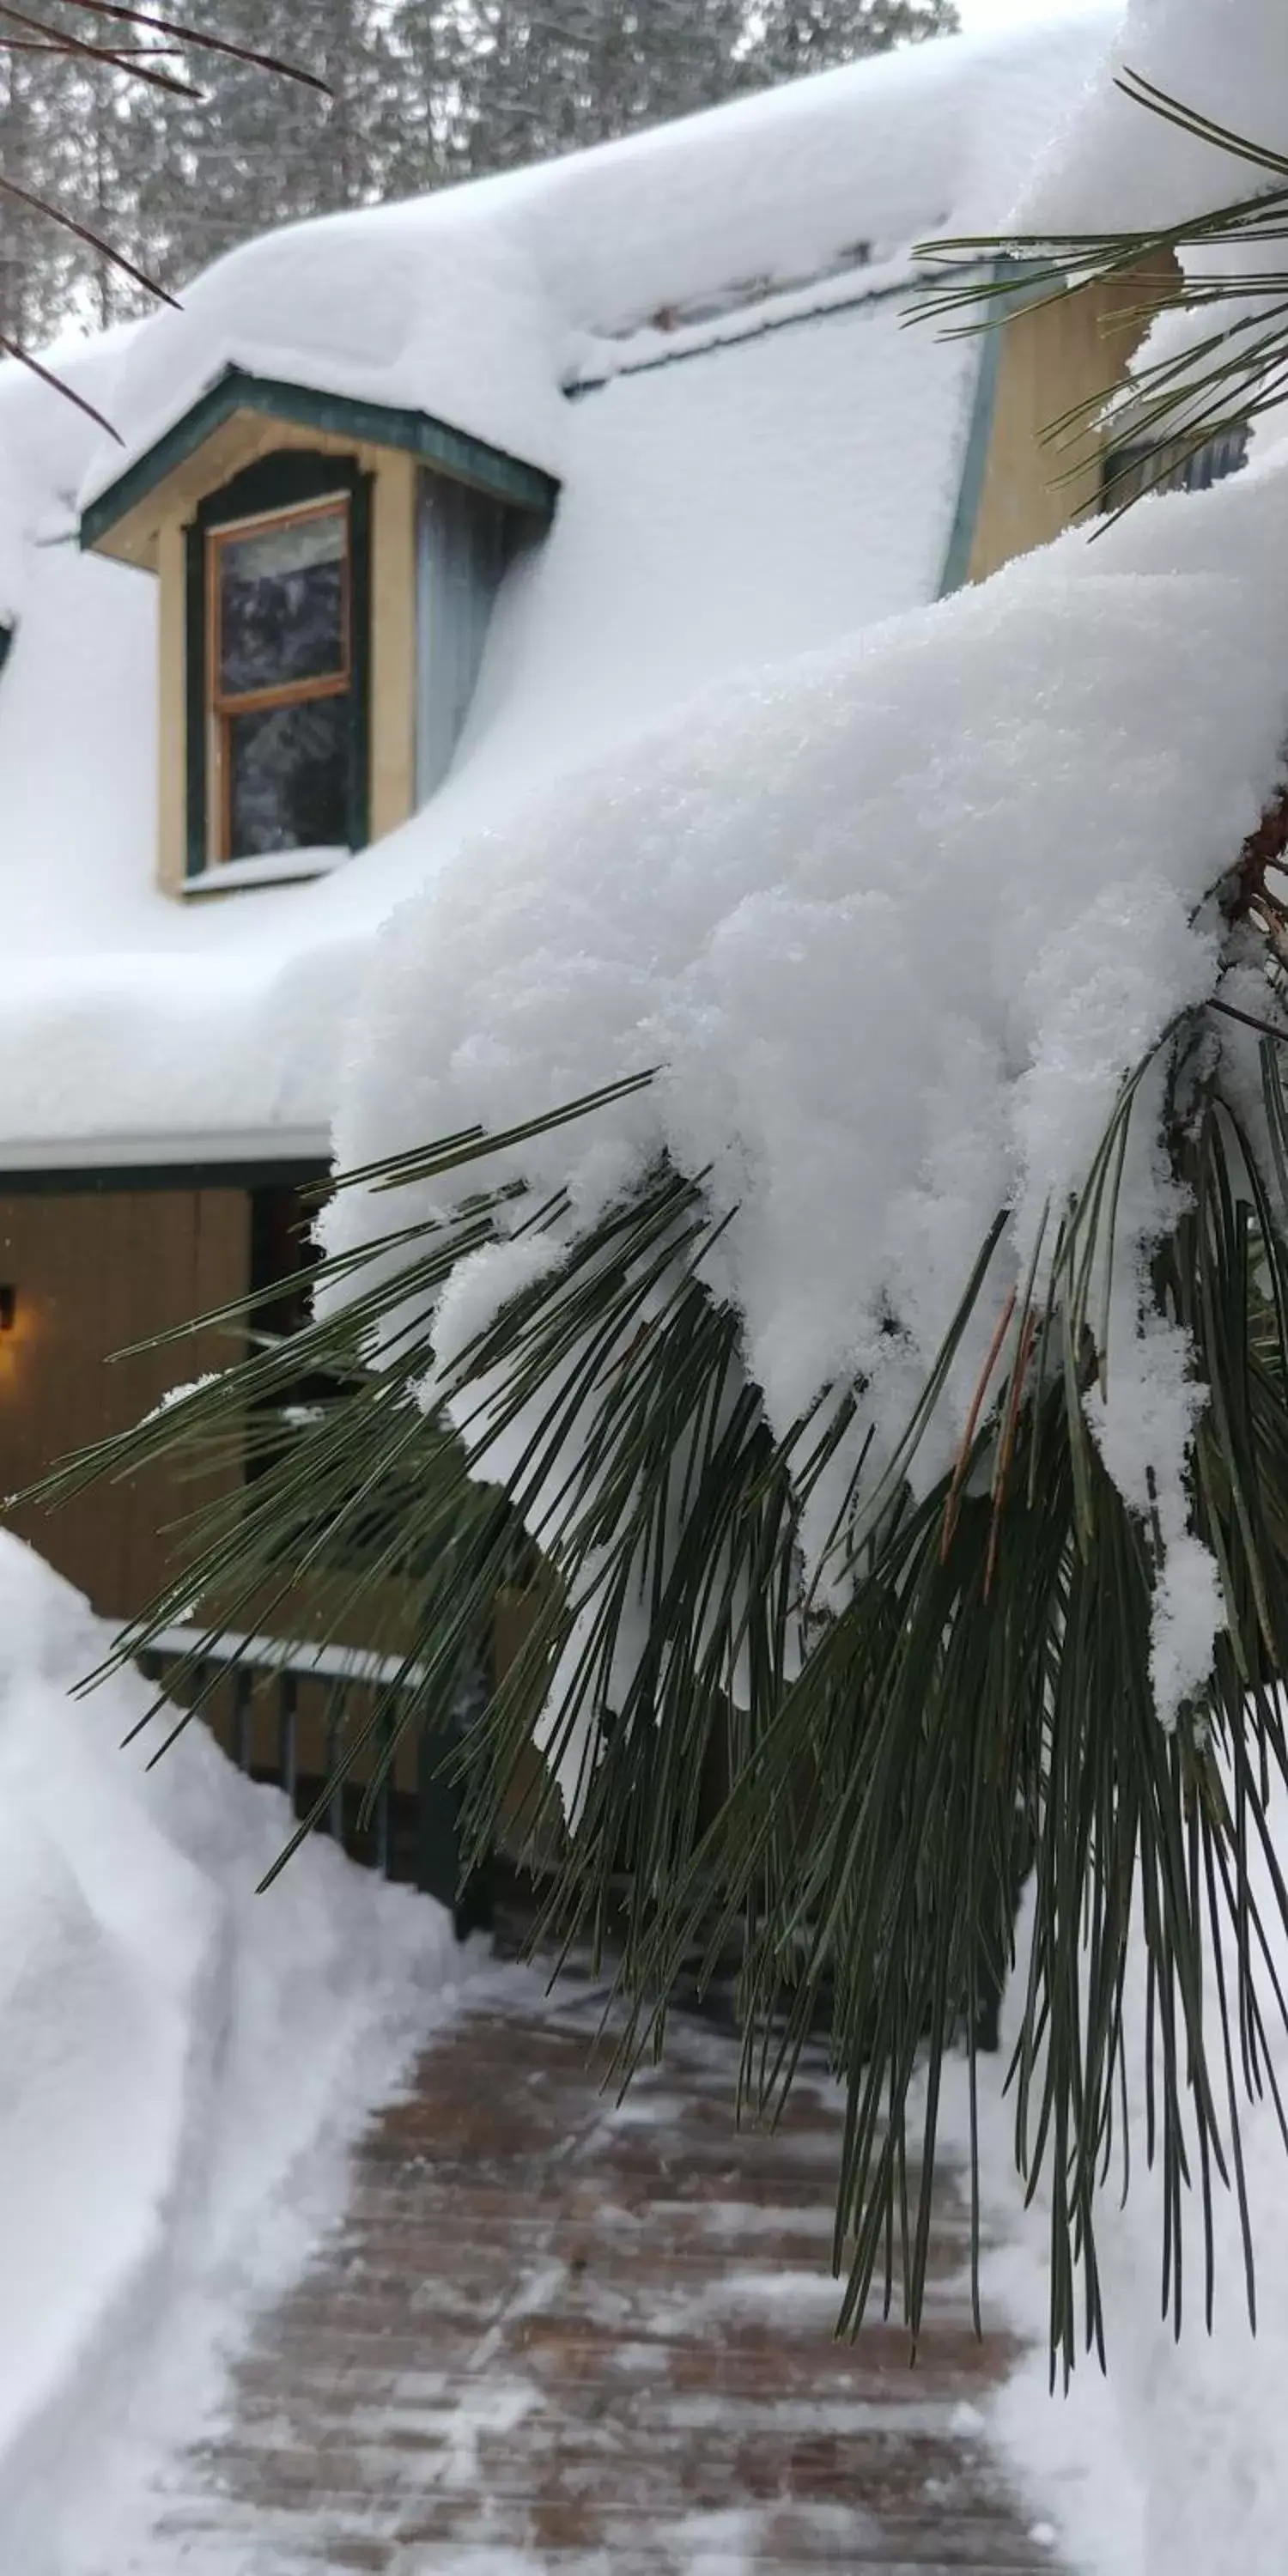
[[453, 451], [95, 1161]]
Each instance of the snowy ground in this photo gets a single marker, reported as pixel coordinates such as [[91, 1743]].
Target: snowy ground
[[185, 2069], [1174, 2460], [188, 2068]]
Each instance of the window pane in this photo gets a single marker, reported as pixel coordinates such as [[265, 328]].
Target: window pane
[[281, 604], [289, 779]]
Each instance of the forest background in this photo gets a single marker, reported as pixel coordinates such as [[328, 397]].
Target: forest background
[[422, 93]]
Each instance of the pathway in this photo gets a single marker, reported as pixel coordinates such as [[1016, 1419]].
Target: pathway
[[561, 2335]]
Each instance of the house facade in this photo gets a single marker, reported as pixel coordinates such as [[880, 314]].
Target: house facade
[[405, 516]]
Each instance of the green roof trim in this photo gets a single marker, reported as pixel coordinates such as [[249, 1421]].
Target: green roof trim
[[979, 438], [979, 435], [452, 451]]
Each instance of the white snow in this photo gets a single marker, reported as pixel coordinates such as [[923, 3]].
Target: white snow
[[1116, 166], [1175, 2460], [186, 2066], [785, 475], [477, 304], [907, 912]]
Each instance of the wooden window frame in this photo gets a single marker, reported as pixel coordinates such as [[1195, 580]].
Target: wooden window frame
[[288, 485], [222, 707]]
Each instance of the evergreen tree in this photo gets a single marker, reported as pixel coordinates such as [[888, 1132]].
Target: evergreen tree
[[501, 82], [795, 36], [42, 154], [428, 143], [250, 153], [423, 92], [547, 79]]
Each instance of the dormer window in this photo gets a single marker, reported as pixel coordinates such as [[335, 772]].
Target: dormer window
[[327, 569], [281, 681], [278, 661]]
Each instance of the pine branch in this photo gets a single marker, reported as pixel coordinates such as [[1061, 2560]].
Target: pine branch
[[974, 1705]]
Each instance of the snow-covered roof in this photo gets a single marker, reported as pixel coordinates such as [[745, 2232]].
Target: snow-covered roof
[[481, 304], [700, 332]]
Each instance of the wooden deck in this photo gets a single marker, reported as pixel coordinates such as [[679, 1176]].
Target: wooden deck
[[561, 2335]]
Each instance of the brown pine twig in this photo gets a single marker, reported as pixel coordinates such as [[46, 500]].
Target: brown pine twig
[[79, 50], [1010, 1433], [136, 61], [92, 240], [14, 349], [155, 25], [952, 1508]]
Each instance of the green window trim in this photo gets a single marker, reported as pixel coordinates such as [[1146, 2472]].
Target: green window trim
[[278, 482], [453, 451], [983, 412]]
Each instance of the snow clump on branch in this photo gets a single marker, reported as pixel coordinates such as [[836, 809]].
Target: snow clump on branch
[[895, 921]]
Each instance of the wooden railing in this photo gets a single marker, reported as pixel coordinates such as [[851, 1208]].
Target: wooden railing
[[286, 1710]]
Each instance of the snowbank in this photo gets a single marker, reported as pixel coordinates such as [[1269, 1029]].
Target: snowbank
[[1114, 166], [185, 2065], [1176, 2459], [1117, 166], [44, 442]]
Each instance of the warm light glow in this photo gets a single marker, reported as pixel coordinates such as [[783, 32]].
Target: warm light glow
[[18, 1329]]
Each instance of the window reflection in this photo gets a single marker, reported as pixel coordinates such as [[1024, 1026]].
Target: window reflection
[[288, 778], [282, 605], [281, 698]]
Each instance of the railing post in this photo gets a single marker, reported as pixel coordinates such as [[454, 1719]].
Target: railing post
[[438, 1842], [336, 1724], [243, 1700], [384, 1797], [288, 1697]]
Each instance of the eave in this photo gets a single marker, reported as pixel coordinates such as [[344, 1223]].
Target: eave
[[125, 519]]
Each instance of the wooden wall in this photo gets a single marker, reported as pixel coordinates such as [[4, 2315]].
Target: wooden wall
[[93, 1271], [1049, 357]]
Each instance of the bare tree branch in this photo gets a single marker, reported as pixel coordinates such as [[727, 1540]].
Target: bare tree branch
[[15, 349], [135, 57], [153, 24]]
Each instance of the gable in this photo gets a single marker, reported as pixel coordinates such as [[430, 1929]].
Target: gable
[[243, 417]]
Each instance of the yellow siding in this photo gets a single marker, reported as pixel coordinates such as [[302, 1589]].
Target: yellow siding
[[393, 642], [1053, 356], [172, 713], [237, 443]]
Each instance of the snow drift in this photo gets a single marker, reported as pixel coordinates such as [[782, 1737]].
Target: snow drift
[[184, 2066], [1176, 2460]]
